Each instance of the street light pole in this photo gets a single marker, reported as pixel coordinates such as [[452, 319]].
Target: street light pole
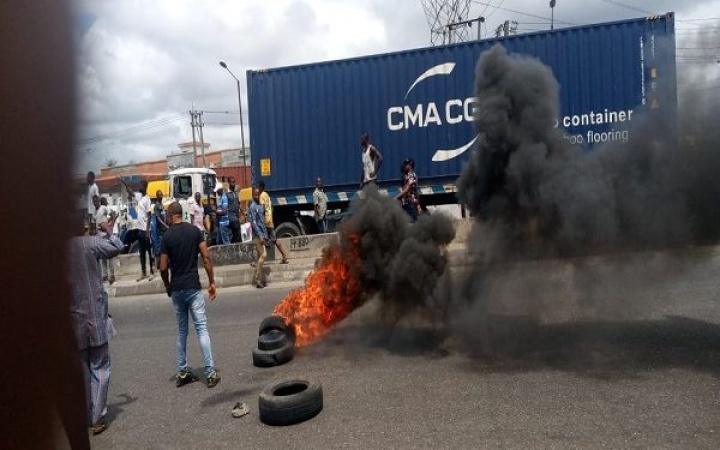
[[242, 127], [552, 14]]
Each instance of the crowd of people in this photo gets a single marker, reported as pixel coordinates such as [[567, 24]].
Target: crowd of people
[[171, 246]]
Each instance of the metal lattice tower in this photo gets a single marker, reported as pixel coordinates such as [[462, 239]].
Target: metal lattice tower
[[441, 15]]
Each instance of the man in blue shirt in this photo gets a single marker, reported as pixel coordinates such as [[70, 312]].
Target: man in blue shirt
[[223, 233], [256, 216]]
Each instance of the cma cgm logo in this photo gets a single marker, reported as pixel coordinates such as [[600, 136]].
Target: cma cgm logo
[[453, 112]]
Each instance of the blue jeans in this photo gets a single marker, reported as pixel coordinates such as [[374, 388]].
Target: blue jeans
[[192, 301], [223, 236], [322, 225]]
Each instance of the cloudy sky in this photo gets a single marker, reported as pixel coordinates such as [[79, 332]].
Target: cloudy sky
[[143, 64]]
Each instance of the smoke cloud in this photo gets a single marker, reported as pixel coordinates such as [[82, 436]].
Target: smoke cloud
[[402, 263], [542, 205]]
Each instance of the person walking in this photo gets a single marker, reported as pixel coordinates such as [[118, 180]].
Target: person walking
[[144, 210], [92, 191], [102, 216], [221, 212], [256, 216], [266, 202], [197, 213], [158, 225], [233, 211], [89, 311], [371, 161], [181, 245], [409, 193], [320, 205]]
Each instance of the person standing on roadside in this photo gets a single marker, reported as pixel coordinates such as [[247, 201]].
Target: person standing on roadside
[[256, 216], [92, 191], [158, 225], [320, 204], [221, 212], [266, 202], [144, 210], [102, 216], [371, 161], [89, 311], [233, 211], [409, 193], [197, 213], [178, 268]]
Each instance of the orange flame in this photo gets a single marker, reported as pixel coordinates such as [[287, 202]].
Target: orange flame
[[330, 294]]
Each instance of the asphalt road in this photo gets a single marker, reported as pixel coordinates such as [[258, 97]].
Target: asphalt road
[[642, 381]]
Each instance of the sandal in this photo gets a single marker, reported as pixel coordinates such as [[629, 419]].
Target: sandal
[[239, 410], [284, 261], [99, 428]]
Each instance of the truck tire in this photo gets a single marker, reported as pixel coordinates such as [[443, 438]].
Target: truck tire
[[290, 402], [272, 358], [287, 230], [272, 340]]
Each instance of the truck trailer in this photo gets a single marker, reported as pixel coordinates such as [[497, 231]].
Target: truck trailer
[[306, 120]]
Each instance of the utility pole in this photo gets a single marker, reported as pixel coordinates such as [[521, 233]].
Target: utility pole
[[201, 124], [193, 125], [452, 26]]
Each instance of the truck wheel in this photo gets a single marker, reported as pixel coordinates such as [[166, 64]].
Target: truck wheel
[[286, 230], [290, 402]]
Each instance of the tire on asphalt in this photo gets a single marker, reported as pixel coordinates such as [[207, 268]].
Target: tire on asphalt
[[290, 402], [272, 358], [273, 323], [272, 340], [277, 323]]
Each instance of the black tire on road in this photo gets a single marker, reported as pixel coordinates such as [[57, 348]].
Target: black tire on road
[[273, 323], [272, 340], [290, 402], [272, 358]]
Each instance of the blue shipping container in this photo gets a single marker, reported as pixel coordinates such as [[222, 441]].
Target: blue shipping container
[[306, 121]]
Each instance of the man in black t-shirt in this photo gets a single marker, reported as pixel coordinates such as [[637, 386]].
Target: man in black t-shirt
[[181, 244]]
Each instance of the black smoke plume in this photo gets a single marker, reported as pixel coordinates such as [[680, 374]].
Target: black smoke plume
[[402, 263], [542, 208], [528, 184]]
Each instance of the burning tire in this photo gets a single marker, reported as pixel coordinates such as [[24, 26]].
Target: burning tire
[[273, 323], [273, 340], [290, 402], [276, 323], [272, 358]]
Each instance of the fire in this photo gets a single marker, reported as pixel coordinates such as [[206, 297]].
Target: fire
[[330, 294]]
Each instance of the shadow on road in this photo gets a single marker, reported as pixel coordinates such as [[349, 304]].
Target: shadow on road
[[598, 349], [115, 409]]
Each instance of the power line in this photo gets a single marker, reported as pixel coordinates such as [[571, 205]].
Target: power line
[[496, 9], [632, 8], [137, 129], [526, 14]]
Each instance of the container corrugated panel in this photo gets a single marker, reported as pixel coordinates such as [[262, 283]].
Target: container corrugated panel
[[306, 121], [242, 174]]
